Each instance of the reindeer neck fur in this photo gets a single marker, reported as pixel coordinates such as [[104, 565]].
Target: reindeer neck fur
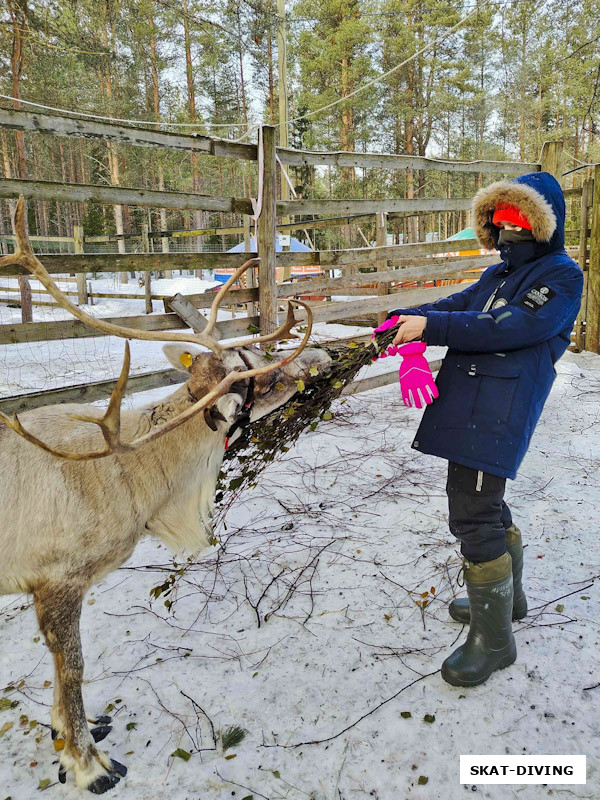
[[188, 459]]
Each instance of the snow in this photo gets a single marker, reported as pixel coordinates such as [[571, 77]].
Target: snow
[[334, 548]]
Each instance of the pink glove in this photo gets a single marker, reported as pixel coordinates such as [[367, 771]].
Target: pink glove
[[385, 326], [416, 380]]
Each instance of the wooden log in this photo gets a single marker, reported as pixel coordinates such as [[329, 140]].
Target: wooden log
[[329, 312], [74, 329], [120, 195], [123, 134], [330, 259], [59, 239], [592, 328], [267, 278], [418, 205], [389, 161], [191, 316], [235, 297]]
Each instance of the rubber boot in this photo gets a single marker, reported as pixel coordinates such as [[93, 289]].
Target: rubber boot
[[490, 644], [459, 608]]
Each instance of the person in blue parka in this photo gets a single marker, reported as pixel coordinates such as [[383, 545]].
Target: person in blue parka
[[504, 334]]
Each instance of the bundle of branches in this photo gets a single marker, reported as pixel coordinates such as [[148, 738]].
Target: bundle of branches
[[273, 435]]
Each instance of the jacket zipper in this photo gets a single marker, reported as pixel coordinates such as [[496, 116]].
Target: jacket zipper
[[488, 305]]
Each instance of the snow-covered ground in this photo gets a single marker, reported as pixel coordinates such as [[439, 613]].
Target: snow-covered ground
[[302, 627]]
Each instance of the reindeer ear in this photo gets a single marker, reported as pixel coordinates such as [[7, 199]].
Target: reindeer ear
[[181, 355]]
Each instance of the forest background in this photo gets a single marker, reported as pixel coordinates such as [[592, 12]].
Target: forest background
[[512, 76]]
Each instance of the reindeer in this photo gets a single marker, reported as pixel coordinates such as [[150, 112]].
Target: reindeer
[[154, 475]]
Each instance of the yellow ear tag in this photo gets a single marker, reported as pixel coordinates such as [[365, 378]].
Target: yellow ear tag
[[186, 360]]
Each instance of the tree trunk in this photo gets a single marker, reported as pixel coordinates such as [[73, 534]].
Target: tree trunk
[[18, 15], [347, 124], [113, 159], [199, 216]]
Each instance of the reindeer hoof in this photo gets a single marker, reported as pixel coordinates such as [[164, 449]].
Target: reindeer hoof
[[103, 720], [101, 732], [62, 774], [117, 767], [105, 782]]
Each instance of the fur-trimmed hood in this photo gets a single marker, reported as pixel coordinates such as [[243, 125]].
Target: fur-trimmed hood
[[537, 195]]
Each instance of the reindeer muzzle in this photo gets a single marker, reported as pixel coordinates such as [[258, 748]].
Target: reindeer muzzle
[[243, 417]]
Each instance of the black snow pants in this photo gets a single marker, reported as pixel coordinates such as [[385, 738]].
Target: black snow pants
[[478, 515]]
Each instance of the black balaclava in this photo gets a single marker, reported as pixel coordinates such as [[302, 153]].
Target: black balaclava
[[517, 247], [507, 236]]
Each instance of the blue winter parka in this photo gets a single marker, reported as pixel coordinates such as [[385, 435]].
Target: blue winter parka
[[504, 334]]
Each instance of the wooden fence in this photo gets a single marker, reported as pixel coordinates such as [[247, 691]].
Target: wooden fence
[[394, 273]]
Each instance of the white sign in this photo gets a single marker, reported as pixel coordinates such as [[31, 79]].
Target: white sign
[[545, 769], [284, 239]]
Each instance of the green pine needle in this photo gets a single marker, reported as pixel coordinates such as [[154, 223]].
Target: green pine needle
[[232, 736]]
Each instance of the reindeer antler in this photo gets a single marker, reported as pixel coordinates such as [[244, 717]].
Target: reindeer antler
[[110, 423]]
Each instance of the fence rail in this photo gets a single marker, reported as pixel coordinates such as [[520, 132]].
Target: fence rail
[[31, 122], [390, 265]]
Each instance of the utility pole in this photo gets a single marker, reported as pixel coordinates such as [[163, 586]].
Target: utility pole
[[283, 105]]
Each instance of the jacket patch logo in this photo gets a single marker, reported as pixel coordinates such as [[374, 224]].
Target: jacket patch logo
[[501, 302], [537, 297]]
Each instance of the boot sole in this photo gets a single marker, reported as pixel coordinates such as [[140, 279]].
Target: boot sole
[[504, 662]]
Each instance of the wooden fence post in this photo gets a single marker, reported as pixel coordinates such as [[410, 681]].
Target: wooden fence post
[[381, 241], [166, 248], [82, 293], [147, 280], [26, 303], [586, 194], [552, 159], [267, 276], [592, 328]]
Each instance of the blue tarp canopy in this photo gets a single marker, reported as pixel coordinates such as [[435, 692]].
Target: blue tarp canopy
[[467, 233], [296, 246]]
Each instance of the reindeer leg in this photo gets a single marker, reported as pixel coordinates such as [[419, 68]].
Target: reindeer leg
[[101, 726], [58, 609]]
